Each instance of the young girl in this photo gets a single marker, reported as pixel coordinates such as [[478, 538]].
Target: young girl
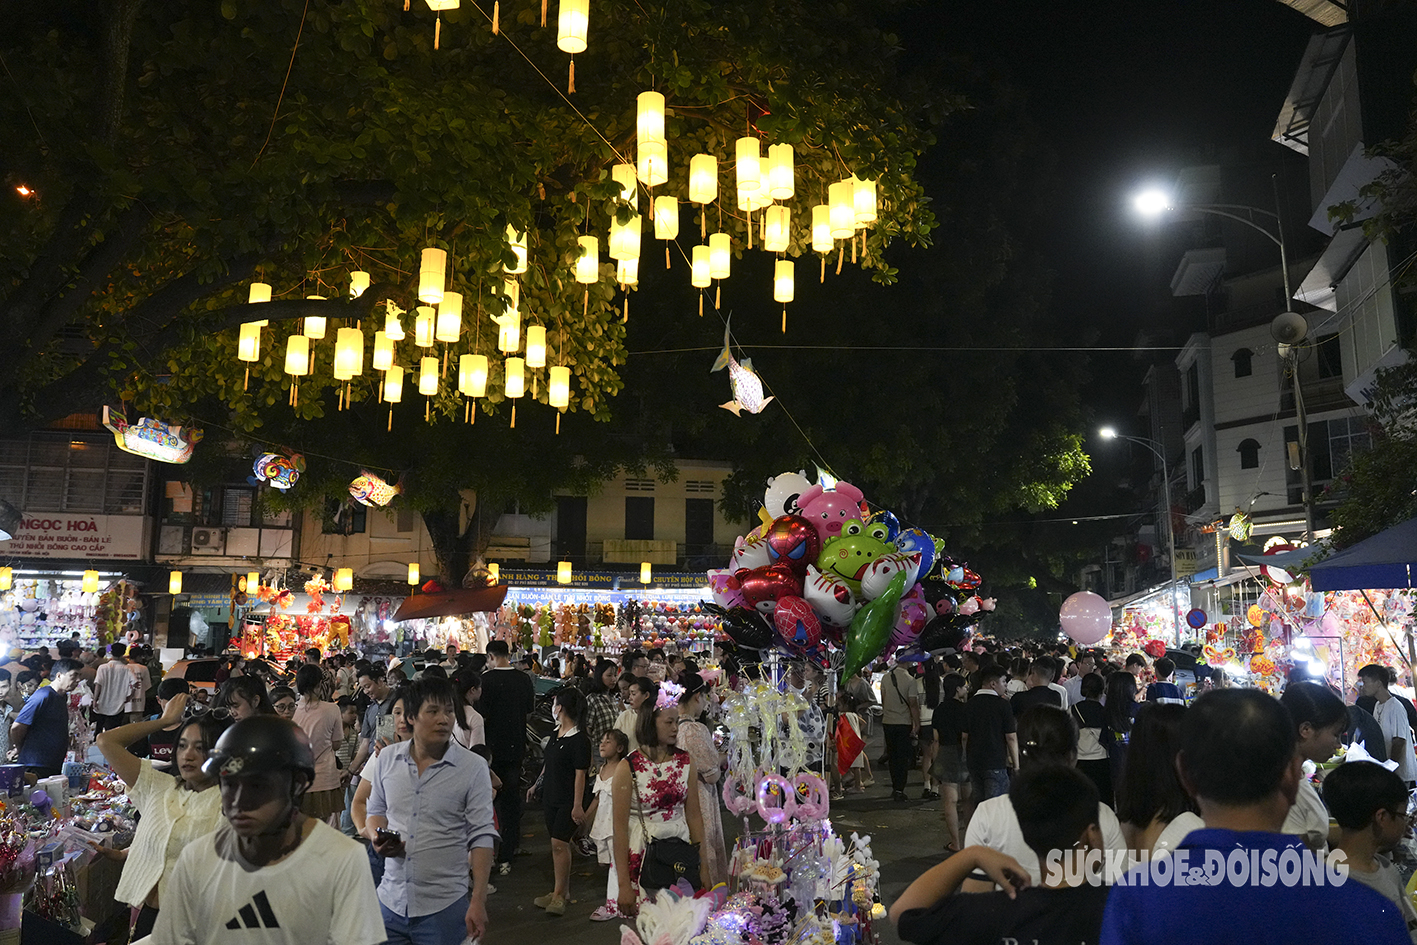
[[614, 746], [846, 704], [563, 780]]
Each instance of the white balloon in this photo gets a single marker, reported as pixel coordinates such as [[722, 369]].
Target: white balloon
[[781, 496]]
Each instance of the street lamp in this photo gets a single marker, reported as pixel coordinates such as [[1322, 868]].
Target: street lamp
[[1108, 433]]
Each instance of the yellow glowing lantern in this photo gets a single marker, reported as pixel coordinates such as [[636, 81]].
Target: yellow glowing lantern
[[449, 323], [515, 384], [516, 241], [703, 178], [625, 238], [654, 163], [535, 346], [428, 376], [700, 274], [627, 272], [260, 292], [297, 356], [558, 392], [821, 229], [649, 118], [7, 578], [383, 351], [563, 572], [749, 166], [253, 582], [392, 326], [349, 353], [174, 582], [494, 572], [571, 25], [413, 573], [782, 282], [314, 327], [431, 274], [472, 375], [646, 570], [588, 265], [720, 255], [248, 346], [666, 218], [512, 294], [755, 198], [393, 384], [358, 282], [344, 579], [509, 332], [863, 200], [777, 228], [423, 327], [841, 200], [781, 179], [89, 585], [624, 175]]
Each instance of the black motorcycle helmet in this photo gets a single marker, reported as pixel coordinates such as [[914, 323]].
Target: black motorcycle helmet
[[261, 744]]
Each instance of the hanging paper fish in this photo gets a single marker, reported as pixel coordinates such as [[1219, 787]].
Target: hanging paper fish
[[281, 470], [370, 490], [747, 387]]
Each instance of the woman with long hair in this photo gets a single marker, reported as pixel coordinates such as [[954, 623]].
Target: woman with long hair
[[243, 697], [643, 691], [1091, 718], [1320, 718], [1123, 693], [471, 728], [931, 684], [321, 722], [697, 740], [1155, 810], [601, 705]]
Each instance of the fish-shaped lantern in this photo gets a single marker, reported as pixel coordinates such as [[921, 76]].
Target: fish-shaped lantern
[[746, 385], [281, 470], [370, 490]]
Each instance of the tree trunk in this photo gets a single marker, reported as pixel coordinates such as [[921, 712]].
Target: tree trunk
[[453, 550]]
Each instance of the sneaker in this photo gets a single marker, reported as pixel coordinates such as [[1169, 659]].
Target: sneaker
[[868, 782], [504, 869], [543, 902], [605, 914], [899, 796], [557, 906], [838, 796], [929, 796]]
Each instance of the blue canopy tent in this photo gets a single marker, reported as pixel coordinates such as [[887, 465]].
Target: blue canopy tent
[[1388, 559]]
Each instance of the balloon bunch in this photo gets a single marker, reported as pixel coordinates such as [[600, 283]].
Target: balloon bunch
[[825, 571]]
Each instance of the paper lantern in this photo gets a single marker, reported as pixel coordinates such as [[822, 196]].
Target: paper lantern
[[624, 175], [393, 327], [438, 6], [649, 118], [494, 572], [571, 25], [720, 255], [314, 327], [472, 375], [653, 163], [863, 200], [431, 276], [782, 281], [822, 240], [511, 297], [297, 356], [509, 332], [448, 326], [7, 578], [777, 228], [841, 200], [755, 198], [358, 282], [558, 392], [423, 325], [781, 179], [514, 384], [413, 577], [625, 238], [260, 292], [174, 582], [700, 274], [749, 164], [646, 569], [89, 585], [383, 351], [627, 272], [393, 384], [588, 265], [666, 218], [428, 376], [563, 572], [703, 178], [248, 345], [349, 353], [536, 346], [253, 582], [516, 241], [344, 579]]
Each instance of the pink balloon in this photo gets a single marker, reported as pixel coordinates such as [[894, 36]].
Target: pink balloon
[[1086, 618]]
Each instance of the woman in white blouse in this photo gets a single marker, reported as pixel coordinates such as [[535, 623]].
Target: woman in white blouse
[[176, 810], [1319, 720]]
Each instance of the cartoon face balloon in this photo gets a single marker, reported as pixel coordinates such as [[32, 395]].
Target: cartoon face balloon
[[751, 552], [847, 556], [797, 624], [783, 492], [724, 587], [887, 518], [879, 573], [792, 541], [762, 587], [830, 510], [918, 540], [830, 598]]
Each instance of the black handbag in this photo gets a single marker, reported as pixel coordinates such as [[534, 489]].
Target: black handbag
[[666, 860]]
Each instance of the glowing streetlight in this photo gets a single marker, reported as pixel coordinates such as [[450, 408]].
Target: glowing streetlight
[[1151, 202]]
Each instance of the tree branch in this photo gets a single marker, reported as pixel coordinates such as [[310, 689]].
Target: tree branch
[[117, 39], [47, 272]]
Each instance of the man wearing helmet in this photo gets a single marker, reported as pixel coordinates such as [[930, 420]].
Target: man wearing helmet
[[270, 875]]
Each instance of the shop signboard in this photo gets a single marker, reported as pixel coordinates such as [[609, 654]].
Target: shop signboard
[[1185, 562], [90, 537], [628, 581]]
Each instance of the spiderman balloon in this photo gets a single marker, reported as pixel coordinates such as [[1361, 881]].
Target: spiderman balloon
[[794, 542]]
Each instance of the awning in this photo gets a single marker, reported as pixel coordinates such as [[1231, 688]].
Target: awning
[[1318, 287], [451, 603], [1388, 559]]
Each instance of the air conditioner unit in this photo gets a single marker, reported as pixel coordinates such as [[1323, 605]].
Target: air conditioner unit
[[208, 541]]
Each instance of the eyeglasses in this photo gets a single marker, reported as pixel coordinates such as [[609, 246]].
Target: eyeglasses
[[198, 711]]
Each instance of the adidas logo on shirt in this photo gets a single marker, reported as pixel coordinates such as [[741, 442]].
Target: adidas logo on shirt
[[256, 914]]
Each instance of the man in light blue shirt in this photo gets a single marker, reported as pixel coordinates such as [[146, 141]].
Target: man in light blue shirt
[[430, 815]]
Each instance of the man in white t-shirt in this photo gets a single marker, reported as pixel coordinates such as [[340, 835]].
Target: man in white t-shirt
[[901, 695], [270, 875], [112, 688], [1373, 681]]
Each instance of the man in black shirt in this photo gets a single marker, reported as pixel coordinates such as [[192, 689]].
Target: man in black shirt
[[990, 739], [508, 697], [1040, 674]]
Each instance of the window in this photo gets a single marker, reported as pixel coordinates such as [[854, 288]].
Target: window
[[570, 527], [1249, 451], [699, 487], [1242, 359], [698, 524], [639, 485], [1320, 459], [237, 505], [1330, 356], [70, 473], [1346, 438], [639, 518], [344, 518], [1197, 467], [1193, 387]]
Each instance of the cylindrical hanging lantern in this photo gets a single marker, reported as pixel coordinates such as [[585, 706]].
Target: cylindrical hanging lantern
[[393, 384], [625, 238], [720, 255], [782, 282], [749, 165], [703, 178], [782, 182], [649, 118], [89, 585], [666, 218], [297, 356], [563, 572], [627, 272], [383, 351], [777, 228], [423, 325], [344, 579], [700, 275], [509, 332], [841, 199], [428, 376], [653, 163], [7, 578], [821, 229], [431, 276], [449, 324], [571, 26], [314, 326], [516, 241], [393, 327], [260, 292], [514, 385], [863, 194], [536, 346], [358, 282], [349, 353], [558, 391], [472, 375], [646, 570], [624, 175], [588, 265], [413, 573], [253, 583], [174, 582], [494, 572], [248, 345]]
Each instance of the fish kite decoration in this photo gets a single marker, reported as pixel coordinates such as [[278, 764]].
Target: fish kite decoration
[[370, 490], [746, 385], [281, 470]]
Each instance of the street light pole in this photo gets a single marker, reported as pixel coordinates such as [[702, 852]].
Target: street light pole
[[1108, 433]]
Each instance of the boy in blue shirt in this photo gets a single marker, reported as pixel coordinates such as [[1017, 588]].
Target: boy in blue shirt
[[1164, 690]]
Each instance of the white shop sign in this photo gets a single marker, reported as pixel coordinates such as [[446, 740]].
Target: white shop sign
[[66, 535]]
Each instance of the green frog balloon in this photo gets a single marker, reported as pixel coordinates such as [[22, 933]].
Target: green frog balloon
[[848, 555]]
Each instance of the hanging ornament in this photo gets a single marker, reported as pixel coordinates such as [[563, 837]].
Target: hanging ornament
[[841, 200], [472, 375], [653, 163], [431, 276], [666, 218], [700, 273], [248, 347], [349, 354], [535, 346], [392, 326], [558, 391], [358, 282], [781, 178], [649, 118], [588, 265], [344, 579], [423, 325], [448, 327], [383, 352], [777, 228], [625, 176], [571, 27], [509, 332], [563, 572], [863, 200], [438, 6], [821, 229], [260, 292], [516, 242], [624, 240], [720, 255], [703, 179], [393, 390], [627, 272], [297, 356], [783, 287], [514, 383], [749, 164], [314, 325], [428, 376], [174, 582]]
